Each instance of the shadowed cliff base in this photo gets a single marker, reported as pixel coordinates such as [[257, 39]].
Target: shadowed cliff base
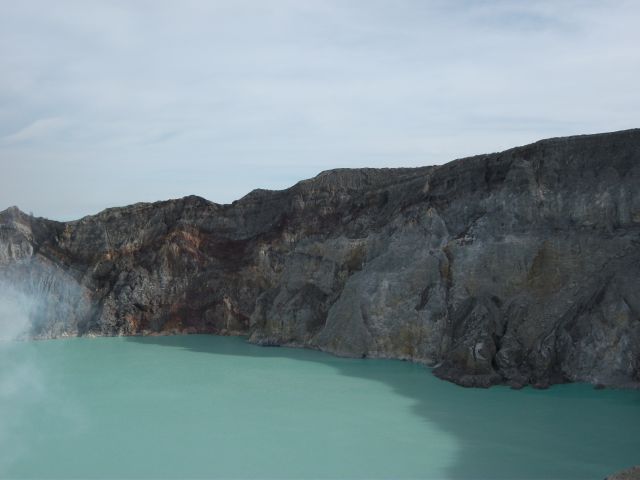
[[520, 267], [500, 433]]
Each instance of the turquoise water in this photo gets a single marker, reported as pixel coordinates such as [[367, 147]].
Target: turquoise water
[[201, 406]]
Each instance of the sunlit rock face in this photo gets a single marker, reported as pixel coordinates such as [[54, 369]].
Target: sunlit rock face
[[520, 267]]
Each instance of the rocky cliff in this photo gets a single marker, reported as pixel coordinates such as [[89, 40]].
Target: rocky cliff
[[632, 473], [520, 267]]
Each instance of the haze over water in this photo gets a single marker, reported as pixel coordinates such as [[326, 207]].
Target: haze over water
[[203, 406]]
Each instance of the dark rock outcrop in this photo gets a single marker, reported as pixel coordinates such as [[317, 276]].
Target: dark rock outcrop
[[520, 267], [632, 473]]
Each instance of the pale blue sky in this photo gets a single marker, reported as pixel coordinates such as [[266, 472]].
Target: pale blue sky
[[106, 103]]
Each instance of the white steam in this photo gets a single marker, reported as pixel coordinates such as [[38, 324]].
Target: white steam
[[25, 382], [15, 313], [20, 379]]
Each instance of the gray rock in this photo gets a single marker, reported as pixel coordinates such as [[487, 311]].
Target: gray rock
[[520, 267], [632, 473]]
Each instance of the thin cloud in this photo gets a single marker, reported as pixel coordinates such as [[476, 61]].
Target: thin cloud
[[250, 93], [38, 130]]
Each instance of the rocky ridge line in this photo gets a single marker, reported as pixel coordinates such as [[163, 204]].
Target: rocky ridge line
[[520, 267]]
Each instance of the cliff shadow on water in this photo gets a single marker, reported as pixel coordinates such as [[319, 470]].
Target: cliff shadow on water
[[567, 431]]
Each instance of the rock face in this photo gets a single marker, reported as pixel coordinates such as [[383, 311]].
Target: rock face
[[632, 473], [520, 267]]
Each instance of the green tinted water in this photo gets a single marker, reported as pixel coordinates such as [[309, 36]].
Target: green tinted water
[[201, 406]]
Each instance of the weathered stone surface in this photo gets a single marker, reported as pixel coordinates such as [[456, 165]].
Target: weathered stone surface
[[632, 473], [520, 267]]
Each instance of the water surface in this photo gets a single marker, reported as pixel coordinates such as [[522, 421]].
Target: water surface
[[202, 406]]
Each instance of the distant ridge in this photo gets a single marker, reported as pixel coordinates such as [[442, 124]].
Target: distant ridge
[[518, 267]]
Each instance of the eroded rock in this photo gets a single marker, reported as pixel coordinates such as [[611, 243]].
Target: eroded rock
[[520, 267]]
